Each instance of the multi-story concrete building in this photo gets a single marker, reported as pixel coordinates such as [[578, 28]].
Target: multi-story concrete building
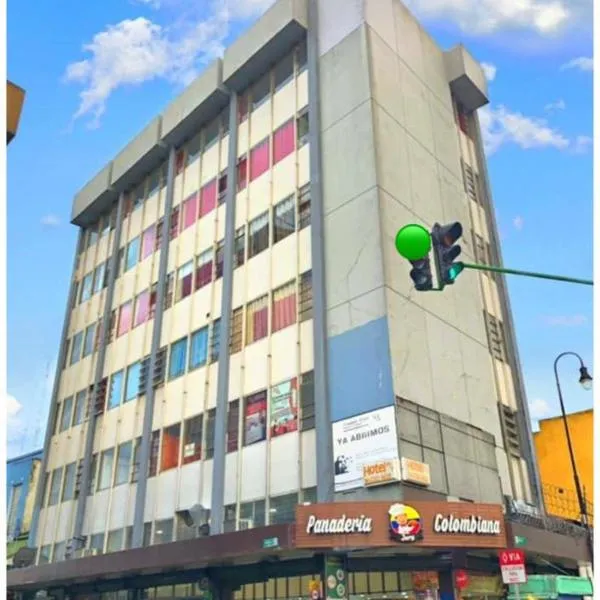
[[241, 337], [22, 477]]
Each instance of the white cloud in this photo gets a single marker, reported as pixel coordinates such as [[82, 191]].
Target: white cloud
[[50, 220], [518, 223], [539, 408], [489, 71], [565, 320], [582, 63], [155, 4], [486, 16], [13, 407], [554, 106], [582, 144]]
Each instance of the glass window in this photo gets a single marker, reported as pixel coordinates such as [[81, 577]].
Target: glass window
[[284, 219], [208, 197], [170, 447], [133, 253], [261, 91], [258, 235], [219, 259], [284, 71], [233, 421], [185, 275], [302, 128], [88, 341], [76, 347], [55, 486], [138, 196], [177, 358], [148, 241], [239, 247], [99, 277], [97, 542], [190, 210], [79, 413], [198, 348], [93, 475], [236, 334], [260, 157], [215, 340], [147, 534], [192, 440], [252, 514], [114, 541], [124, 454], [45, 554], [211, 133], [132, 386], [174, 223], [255, 418], [105, 471], [282, 509], [154, 450], [210, 433], [58, 555], [307, 401], [142, 308], [116, 390], [135, 469], [125, 318], [304, 206], [222, 188], [284, 141], [204, 268], [306, 296], [301, 58], [163, 531], [87, 285], [193, 149], [69, 487], [153, 182], [257, 320], [284, 306], [242, 173], [67, 413]]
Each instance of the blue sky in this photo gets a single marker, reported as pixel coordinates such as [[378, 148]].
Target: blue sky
[[95, 78]]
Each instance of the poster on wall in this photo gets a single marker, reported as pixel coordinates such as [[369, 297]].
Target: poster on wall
[[360, 441], [255, 418], [284, 408]]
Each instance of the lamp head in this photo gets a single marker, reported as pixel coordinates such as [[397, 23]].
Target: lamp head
[[585, 379]]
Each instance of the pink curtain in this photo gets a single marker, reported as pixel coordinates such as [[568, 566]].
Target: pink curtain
[[190, 207], [284, 312], [142, 309], [261, 323], [242, 175], [283, 141], [148, 238], [208, 198], [124, 324], [259, 160], [204, 274], [186, 285]]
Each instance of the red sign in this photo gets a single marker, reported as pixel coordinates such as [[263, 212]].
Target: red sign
[[461, 579], [511, 558]]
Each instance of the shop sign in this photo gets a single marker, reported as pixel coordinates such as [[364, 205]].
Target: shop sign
[[341, 525], [335, 578], [470, 525], [406, 524], [414, 471], [380, 473]]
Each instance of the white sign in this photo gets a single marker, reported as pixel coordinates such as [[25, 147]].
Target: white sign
[[344, 524], [513, 574], [466, 525], [361, 441]]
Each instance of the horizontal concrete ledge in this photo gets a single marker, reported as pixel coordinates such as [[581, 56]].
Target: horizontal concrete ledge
[[466, 78]]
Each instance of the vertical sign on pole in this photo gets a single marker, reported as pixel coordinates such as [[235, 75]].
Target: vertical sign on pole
[[335, 580], [512, 566]]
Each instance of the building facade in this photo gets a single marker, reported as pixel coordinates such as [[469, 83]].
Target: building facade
[[241, 338], [556, 471], [15, 96]]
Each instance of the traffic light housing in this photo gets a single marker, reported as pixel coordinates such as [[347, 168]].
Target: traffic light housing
[[446, 251], [421, 274]]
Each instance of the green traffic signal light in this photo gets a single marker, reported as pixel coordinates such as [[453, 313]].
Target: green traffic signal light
[[455, 270]]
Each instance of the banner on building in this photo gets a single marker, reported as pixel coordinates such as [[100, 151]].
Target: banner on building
[[284, 408], [360, 442], [255, 418]]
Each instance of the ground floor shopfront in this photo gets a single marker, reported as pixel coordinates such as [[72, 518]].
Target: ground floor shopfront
[[338, 551]]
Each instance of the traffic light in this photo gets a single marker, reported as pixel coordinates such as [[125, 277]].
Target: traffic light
[[446, 251], [421, 274]]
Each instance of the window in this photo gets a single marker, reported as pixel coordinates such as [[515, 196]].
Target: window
[[302, 128], [233, 420], [219, 259], [208, 198], [204, 269], [283, 509], [116, 390], [252, 514], [284, 306], [222, 188], [211, 134], [255, 418], [58, 554], [88, 340], [210, 433], [462, 118], [307, 401], [124, 454], [236, 334], [135, 469], [100, 279], [67, 414], [168, 298], [284, 142], [469, 182], [185, 275], [198, 348], [309, 495], [301, 58], [132, 385], [192, 440], [69, 487], [174, 223], [74, 296], [225, 122], [142, 308], [45, 553], [169, 457], [258, 235], [133, 254], [239, 247], [13, 522], [283, 72], [242, 173], [242, 107], [79, 412], [304, 206], [55, 486], [93, 474], [114, 541], [257, 320], [124, 324], [147, 534], [483, 251], [193, 150], [261, 91], [153, 182], [106, 466], [159, 235], [76, 347], [138, 196], [259, 159], [215, 341], [148, 241], [120, 261], [496, 337], [284, 219], [190, 210], [97, 542], [179, 161], [56, 418], [177, 358], [163, 531], [152, 301], [306, 296], [154, 450], [92, 235]]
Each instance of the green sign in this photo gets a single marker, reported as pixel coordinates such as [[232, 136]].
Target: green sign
[[336, 586], [520, 541], [271, 542]]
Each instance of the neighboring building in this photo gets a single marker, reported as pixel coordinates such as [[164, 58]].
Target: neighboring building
[[241, 337], [15, 96], [556, 471], [22, 477]]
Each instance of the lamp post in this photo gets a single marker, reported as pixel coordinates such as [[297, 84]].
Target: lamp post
[[585, 379]]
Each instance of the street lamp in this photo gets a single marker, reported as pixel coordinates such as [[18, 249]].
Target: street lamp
[[585, 379]]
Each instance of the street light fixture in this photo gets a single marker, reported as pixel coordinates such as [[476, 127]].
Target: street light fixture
[[585, 379]]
